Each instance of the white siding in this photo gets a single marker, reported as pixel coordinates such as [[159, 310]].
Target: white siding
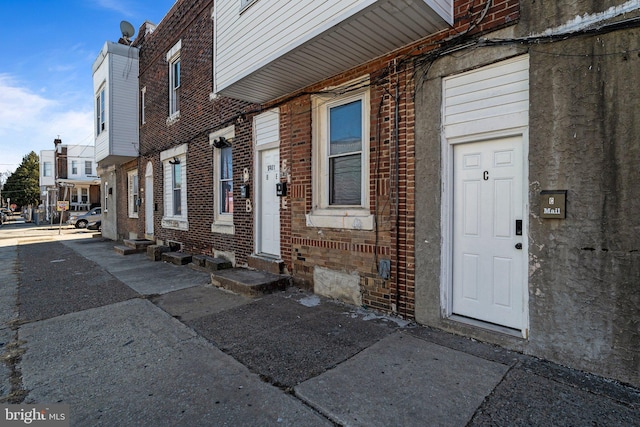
[[488, 99], [47, 156], [267, 127], [100, 78], [116, 68], [268, 29], [123, 106]]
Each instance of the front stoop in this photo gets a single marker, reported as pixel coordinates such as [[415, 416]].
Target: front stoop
[[124, 250], [132, 246], [249, 282], [209, 264], [268, 263], [177, 258], [154, 252]]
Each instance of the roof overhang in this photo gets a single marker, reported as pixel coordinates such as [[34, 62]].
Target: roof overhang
[[380, 28]]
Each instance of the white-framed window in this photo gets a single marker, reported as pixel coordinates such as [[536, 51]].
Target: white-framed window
[[173, 58], [174, 166], [100, 112], [47, 169], [88, 167], [133, 193], [244, 4], [221, 143], [341, 160], [84, 195], [143, 95], [74, 167], [176, 187]]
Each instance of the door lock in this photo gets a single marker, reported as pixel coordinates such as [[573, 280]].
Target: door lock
[[518, 245]]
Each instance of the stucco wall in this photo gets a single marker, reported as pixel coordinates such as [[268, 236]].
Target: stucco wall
[[584, 271]]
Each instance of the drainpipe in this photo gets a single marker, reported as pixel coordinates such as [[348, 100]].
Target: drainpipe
[[396, 134]]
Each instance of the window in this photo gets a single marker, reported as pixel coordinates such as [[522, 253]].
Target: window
[[46, 169], [345, 154], [173, 58], [244, 4], [223, 180], [133, 193], [74, 167], [88, 167], [143, 95], [174, 165], [176, 187], [226, 181], [84, 195], [340, 150], [100, 112]]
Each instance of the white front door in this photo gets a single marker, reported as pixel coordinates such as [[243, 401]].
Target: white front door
[[148, 200], [488, 231], [269, 203]]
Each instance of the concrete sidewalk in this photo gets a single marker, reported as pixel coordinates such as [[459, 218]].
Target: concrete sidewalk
[[136, 342]]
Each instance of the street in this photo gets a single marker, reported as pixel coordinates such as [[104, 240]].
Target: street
[[127, 341]]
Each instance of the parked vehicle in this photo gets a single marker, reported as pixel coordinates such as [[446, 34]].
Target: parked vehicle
[[82, 220], [95, 225]]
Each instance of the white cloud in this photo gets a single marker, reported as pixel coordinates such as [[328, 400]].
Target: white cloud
[[30, 122], [115, 5]]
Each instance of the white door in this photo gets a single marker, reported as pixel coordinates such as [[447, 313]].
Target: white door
[[148, 200], [269, 203], [488, 231]]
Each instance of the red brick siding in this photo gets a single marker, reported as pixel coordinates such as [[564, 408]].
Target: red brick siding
[[190, 22]]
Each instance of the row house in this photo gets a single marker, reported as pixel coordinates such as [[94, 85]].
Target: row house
[[68, 173], [469, 164]]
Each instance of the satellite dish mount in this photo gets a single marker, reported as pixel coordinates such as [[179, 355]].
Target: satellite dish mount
[[127, 31]]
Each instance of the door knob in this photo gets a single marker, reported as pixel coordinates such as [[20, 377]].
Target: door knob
[[518, 245]]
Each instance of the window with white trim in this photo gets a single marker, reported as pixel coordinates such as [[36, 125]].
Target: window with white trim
[[88, 167], [221, 143], [47, 169], [143, 95], [74, 167], [174, 166], [173, 58], [341, 158], [133, 193], [101, 116]]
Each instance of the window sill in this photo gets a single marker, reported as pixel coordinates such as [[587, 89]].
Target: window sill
[[175, 223], [223, 228], [173, 118], [352, 219], [134, 216]]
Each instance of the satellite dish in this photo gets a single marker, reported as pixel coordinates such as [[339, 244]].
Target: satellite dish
[[127, 30]]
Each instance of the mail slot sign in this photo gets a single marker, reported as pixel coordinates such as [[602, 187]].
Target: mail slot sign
[[553, 204]]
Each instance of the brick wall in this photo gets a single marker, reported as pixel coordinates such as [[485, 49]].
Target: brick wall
[[190, 22], [392, 189]]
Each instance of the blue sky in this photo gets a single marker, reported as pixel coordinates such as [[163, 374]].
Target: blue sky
[[48, 49]]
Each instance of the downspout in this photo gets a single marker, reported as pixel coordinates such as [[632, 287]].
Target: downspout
[[396, 133]]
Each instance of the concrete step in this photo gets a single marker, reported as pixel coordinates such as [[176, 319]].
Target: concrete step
[[154, 252], [138, 244], [209, 263], [268, 263], [177, 258], [249, 282], [124, 250]]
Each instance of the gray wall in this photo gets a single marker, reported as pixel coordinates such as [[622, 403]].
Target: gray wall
[[109, 218], [584, 136]]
